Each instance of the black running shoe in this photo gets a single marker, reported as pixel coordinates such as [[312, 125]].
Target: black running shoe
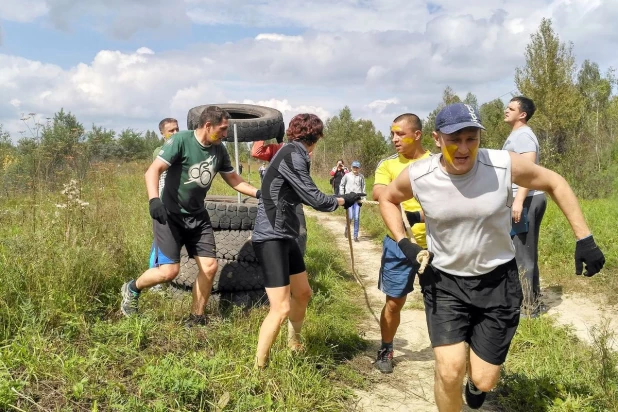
[[195, 320], [474, 397], [384, 361]]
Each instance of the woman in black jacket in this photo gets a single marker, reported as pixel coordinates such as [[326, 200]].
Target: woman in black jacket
[[286, 184]]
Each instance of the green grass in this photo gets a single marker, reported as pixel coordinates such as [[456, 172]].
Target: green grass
[[548, 369], [64, 346], [557, 246]]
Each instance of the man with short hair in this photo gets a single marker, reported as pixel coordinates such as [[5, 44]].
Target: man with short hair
[[192, 159], [528, 205], [471, 291], [167, 127], [396, 272]]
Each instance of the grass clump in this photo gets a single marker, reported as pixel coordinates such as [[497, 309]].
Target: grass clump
[[64, 346], [549, 369]]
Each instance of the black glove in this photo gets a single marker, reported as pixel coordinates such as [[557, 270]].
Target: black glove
[[586, 251], [350, 198], [157, 210], [414, 218], [258, 194], [411, 250]]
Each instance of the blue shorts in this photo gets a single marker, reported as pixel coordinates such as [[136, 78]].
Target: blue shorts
[[396, 273]]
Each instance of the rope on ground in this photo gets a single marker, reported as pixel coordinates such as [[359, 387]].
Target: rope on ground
[[356, 275], [348, 232]]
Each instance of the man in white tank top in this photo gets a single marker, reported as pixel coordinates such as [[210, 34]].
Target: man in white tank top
[[471, 291]]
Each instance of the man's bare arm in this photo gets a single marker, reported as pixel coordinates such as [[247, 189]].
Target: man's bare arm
[[527, 174], [377, 191], [399, 190], [236, 182], [152, 175]]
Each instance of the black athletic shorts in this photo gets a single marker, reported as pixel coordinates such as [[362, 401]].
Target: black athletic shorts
[[192, 231], [481, 310], [279, 259]]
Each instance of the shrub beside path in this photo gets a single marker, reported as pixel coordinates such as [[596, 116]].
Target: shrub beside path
[[410, 387]]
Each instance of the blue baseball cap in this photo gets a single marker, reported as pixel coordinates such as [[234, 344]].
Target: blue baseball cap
[[356, 163], [457, 116]]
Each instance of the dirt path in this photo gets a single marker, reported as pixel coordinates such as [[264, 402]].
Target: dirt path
[[583, 314], [410, 387]]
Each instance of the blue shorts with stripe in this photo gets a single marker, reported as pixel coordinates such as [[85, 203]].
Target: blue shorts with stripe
[[396, 272], [157, 257]]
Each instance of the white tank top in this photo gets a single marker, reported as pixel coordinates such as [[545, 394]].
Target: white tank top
[[467, 217]]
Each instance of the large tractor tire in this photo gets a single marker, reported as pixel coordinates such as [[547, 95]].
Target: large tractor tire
[[231, 216], [231, 276], [238, 269], [253, 122]]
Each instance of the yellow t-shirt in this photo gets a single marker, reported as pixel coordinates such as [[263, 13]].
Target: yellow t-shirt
[[388, 169]]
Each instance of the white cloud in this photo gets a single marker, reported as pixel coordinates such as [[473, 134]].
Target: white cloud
[[380, 105], [378, 57], [22, 10], [15, 103], [120, 18], [144, 50], [278, 37], [288, 110]]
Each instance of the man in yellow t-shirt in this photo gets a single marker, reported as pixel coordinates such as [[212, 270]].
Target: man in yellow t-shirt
[[396, 273]]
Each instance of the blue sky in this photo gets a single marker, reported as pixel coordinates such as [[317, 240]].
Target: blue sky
[[128, 63]]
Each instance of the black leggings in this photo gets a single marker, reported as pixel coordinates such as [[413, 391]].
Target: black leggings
[[279, 259]]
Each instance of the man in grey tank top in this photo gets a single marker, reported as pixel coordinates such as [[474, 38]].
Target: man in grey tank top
[[471, 290], [528, 205]]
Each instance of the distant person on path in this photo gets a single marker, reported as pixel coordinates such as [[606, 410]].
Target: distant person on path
[[192, 159], [472, 291], [353, 182], [337, 174], [167, 127], [262, 169], [266, 152], [286, 184], [396, 272], [528, 206]]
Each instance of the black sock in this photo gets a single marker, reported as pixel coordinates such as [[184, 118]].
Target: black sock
[[133, 287], [387, 346]]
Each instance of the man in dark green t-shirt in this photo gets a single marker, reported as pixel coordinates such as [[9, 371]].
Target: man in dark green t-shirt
[[191, 158]]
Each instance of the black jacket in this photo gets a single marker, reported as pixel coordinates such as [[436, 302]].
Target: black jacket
[[286, 184]]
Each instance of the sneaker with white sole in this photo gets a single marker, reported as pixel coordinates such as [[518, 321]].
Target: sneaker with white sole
[[128, 306]]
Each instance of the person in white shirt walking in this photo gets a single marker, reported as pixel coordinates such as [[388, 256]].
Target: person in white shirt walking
[[353, 182], [528, 205]]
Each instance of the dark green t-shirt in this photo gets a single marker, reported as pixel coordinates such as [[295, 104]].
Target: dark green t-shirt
[[192, 166]]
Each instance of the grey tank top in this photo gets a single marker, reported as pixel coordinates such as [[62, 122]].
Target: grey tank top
[[467, 217]]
